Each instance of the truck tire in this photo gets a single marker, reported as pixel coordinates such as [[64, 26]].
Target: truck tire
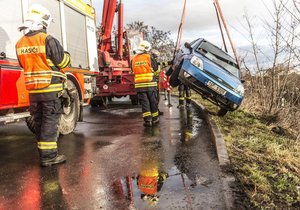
[[69, 118], [222, 112], [98, 101], [110, 98], [30, 123]]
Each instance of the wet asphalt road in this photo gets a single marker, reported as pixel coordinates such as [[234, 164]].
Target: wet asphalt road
[[112, 161]]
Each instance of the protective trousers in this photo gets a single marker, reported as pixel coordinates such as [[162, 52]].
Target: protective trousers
[[46, 117], [184, 94], [148, 101]]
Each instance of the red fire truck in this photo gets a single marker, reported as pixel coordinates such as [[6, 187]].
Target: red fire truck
[[74, 27]]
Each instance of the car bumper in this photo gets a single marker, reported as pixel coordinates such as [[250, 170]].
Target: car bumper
[[199, 81]]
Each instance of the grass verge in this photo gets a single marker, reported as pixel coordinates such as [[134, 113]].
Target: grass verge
[[266, 165]]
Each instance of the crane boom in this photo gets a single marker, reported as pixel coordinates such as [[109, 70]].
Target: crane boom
[[226, 29], [109, 8]]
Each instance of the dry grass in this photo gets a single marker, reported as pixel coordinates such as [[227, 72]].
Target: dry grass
[[266, 164]]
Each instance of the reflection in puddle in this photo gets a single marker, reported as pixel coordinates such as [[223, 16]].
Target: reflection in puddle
[[157, 186]]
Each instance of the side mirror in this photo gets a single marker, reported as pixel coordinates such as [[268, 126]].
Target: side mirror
[[187, 45]]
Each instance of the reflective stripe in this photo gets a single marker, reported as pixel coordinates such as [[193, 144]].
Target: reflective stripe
[[146, 114], [59, 74], [45, 73], [140, 63], [37, 73], [37, 81], [148, 84], [50, 62], [64, 62], [190, 97], [50, 88], [147, 77], [181, 98], [47, 145], [189, 134], [155, 114], [31, 50]]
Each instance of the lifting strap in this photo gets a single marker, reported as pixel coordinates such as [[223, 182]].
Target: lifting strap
[[226, 29], [219, 15], [180, 29]]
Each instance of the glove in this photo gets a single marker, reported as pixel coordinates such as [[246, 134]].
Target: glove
[[156, 73], [65, 98]]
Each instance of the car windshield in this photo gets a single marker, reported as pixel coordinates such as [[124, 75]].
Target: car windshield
[[219, 57]]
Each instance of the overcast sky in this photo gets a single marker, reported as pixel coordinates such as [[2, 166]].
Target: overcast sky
[[200, 19], [200, 16]]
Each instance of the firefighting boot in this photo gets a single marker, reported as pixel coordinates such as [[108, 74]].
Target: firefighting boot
[[155, 120], [181, 103], [160, 112], [188, 106], [148, 123], [58, 159], [180, 106]]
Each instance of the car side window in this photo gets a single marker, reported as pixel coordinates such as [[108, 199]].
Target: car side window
[[193, 42]]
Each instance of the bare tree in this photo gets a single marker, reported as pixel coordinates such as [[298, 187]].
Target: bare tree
[[159, 39], [275, 90]]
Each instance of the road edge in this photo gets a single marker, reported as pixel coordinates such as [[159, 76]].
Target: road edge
[[223, 157], [219, 142]]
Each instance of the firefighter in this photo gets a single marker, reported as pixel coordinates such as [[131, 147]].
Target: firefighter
[[155, 54], [144, 67], [161, 77], [150, 182], [185, 95], [186, 124], [184, 91], [42, 58], [152, 174]]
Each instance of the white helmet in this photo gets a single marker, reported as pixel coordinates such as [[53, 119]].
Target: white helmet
[[144, 46], [155, 53], [38, 17]]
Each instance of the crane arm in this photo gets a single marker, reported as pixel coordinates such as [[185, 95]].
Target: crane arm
[[108, 12], [226, 29]]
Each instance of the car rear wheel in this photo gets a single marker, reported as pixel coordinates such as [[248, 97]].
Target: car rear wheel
[[98, 101], [222, 112]]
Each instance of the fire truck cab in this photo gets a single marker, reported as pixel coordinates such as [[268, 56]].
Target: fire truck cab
[[74, 26]]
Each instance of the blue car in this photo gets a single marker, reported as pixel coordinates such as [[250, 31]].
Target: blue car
[[211, 72]]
